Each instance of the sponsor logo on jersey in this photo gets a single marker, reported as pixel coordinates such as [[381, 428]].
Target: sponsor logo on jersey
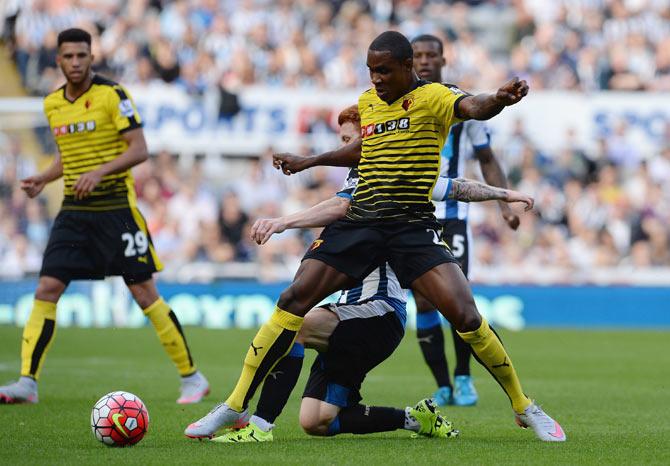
[[400, 124], [79, 127]]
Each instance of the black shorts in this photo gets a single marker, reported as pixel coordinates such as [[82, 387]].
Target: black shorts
[[357, 248], [91, 245], [455, 233], [354, 349]]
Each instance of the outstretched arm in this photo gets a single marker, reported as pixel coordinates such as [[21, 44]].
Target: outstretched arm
[[473, 191], [486, 106], [345, 156], [464, 190], [322, 214], [33, 185]]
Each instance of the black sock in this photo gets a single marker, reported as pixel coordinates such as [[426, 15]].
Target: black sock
[[463, 354], [431, 341], [279, 384], [361, 419]]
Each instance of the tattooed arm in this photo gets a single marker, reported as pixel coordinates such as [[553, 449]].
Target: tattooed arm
[[465, 190]]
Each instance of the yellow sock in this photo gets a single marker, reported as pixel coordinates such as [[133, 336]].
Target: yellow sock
[[272, 342], [171, 336], [37, 337], [490, 352]]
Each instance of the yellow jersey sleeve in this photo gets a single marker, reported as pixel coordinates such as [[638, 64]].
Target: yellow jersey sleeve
[[122, 109], [442, 102]]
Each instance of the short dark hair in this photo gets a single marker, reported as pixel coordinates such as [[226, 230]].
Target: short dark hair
[[74, 35], [394, 42], [429, 38]]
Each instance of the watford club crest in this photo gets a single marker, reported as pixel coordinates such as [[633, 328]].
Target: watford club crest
[[407, 103]]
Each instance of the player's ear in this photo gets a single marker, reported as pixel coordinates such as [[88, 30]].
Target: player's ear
[[408, 64]]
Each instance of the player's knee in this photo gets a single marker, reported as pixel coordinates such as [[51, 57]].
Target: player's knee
[[306, 334], [314, 428], [293, 300], [49, 289], [470, 319], [315, 424], [286, 298], [145, 294]]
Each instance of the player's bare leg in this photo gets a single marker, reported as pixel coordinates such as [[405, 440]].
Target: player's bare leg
[[313, 282], [194, 385], [447, 288], [37, 338]]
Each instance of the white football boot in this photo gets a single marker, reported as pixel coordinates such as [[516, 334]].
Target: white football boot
[[193, 389], [22, 391], [221, 417], [544, 426]]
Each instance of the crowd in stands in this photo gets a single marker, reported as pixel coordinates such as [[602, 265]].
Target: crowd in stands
[[197, 44], [604, 208], [592, 214]]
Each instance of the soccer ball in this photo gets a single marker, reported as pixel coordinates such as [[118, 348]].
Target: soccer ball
[[119, 419]]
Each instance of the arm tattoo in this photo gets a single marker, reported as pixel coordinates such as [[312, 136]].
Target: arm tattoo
[[473, 191]]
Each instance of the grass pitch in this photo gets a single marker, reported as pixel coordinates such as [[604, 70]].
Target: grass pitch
[[609, 390]]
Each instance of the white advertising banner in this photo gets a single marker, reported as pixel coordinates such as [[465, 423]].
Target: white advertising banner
[[288, 119]]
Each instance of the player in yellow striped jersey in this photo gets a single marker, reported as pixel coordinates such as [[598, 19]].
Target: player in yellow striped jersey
[[99, 231], [404, 123]]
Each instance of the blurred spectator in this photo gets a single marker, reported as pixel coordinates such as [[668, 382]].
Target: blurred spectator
[[601, 207], [562, 44], [232, 222]]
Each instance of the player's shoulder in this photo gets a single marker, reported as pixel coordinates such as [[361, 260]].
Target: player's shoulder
[[430, 89], [366, 102], [368, 95], [108, 86], [455, 89], [100, 80], [54, 98]]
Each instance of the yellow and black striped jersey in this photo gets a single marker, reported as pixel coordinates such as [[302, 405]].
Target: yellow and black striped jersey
[[400, 156], [88, 134]]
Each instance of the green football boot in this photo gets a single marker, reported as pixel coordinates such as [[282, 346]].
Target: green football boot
[[250, 433], [431, 423]]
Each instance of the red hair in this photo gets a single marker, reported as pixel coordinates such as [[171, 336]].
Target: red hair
[[349, 115]]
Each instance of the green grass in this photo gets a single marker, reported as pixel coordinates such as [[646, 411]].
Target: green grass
[[609, 390]]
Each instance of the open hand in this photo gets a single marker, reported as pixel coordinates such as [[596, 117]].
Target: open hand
[[264, 228], [33, 185], [512, 91], [290, 163], [86, 183]]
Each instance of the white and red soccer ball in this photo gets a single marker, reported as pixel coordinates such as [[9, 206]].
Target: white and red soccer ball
[[119, 419]]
